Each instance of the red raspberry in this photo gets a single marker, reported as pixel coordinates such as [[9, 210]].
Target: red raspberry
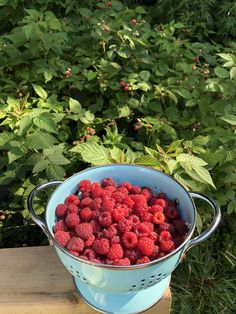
[[110, 188], [115, 252], [146, 192], [72, 199], [96, 204], [153, 235], [121, 262], [167, 246], [105, 219], [140, 208], [72, 220], [134, 22], [84, 257], [155, 253], [118, 214], [118, 197], [122, 190], [115, 240], [162, 202], [60, 226], [171, 212], [125, 225], [86, 194], [143, 260], [75, 244], [62, 238], [146, 217], [108, 181], [139, 199], [133, 255], [90, 253], [89, 242], [73, 209], [158, 218], [108, 204], [156, 208], [127, 185], [96, 190], [146, 246], [101, 246], [86, 214], [181, 227], [74, 253], [110, 232], [130, 240], [84, 230], [128, 202], [95, 225], [122, 83], [135, 189], [135, 219], [84, 186], [152, 200], [164, 236], [161, 254], [61, 210], [166, 227], [95, 260], [85, 202], [178, 241], [141, 229]]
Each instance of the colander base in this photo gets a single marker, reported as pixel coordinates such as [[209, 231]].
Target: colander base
[[122, 303]]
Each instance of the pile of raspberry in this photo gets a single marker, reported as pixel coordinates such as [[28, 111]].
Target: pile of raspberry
[[118, 224]]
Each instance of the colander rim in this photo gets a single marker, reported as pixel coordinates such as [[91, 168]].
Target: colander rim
[[118, 267]]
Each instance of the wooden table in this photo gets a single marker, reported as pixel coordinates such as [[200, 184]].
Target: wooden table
[[34, 281]]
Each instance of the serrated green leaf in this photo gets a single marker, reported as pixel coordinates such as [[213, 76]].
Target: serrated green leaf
[[226, 56], [57, 159], [75, 106], [33, 159], [55, 172], [91, 75], [24, 124], [144, 75], [85, 12], [190, 160], [46, 123], [143, 86], [173, 97], [116, 154], [146, 160], [221, 72], [40, 166], [117, 5], [93, 153], [140, 10], [231, 119], [233, 73], [183, 92], [5, 139], [204, 174], [40, 140], [15, 153], [124, 111], [40, 91]]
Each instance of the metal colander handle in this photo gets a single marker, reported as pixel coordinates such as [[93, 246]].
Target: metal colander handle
[[39, 221], [215, 222]]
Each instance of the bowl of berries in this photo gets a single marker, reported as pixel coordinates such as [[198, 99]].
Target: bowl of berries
[[121, 230]]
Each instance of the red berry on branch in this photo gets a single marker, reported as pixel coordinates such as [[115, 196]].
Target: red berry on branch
[[196, 59], [109, 4], [134, 22], [68, 73], [127, 88], [122, 83]]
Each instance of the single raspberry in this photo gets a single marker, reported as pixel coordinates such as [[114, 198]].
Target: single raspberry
[[75, 244], [115, 240], [139, 199], [89, 242], [145, 217], [118, 196], [74, 252], [146, 246], [108, 204], [181, 227], [140, 208], [72, 220], [156, 208], [153, 235], [158, 218], [164, 236], [95, 225], [101, 246], [162, 202], [86, 194], [95, 260], [133, 255], [118, 214], [127, 185], [84, 186], [167, 246], [73, 209], [134, 218], [110, 188], [122, 83], [61, 210], [162, 195], [146, 192], [72, 199], [122, 190], [125, 225], [90, 253], [84, 230], [166, 227], [128, 202], [171, 212], [86, 214], [60, 226], [96, 204], [121, 262], [155, 253], [143, 260], [115, 252], [105, 219], [84, 257], [110, 232], [141, 229], [135, 189], [62, 237], [130, 240], [85, 202], [96, 190], [107, 182]]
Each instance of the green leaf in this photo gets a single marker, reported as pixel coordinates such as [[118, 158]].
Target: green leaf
[[5, 139], [146, 160], [15, 153], [46, 123], [183, 92], [231, 119], [190, 160], [233, 73], [124, 111], [140, 10], [143, 86], [116, 154], [24, 124], [40, 91], [117, 5], [40, 140], [204, 174], [93, 153], [144, 75], [221, 72], [226, 56], [55, 172], [3, 2], [75, 106], [55, 155], [40, 166], [85, 12]]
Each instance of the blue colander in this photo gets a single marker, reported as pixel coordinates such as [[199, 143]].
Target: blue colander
[[124, 289]]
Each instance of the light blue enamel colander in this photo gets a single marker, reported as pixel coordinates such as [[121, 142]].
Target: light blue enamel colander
[[124, 289]]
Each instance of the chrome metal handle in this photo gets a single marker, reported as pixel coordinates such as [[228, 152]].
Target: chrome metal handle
[[33, 214], [215, 222]]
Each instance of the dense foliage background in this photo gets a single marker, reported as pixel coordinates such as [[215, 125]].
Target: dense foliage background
[[62, 109]]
